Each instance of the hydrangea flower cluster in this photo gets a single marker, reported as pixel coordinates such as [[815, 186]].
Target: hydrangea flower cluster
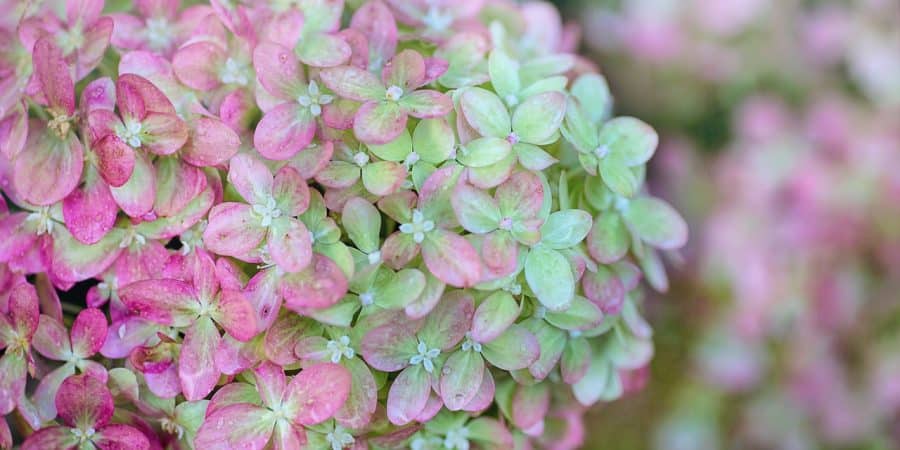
[[386, 224]]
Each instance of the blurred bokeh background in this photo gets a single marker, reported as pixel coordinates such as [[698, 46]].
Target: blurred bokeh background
[[780, 142]]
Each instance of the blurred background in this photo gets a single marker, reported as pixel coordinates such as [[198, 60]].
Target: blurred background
[[780, 143]]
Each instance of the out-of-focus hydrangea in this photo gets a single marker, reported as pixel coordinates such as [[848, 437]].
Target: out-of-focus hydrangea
[[310, 224], [796, 265]]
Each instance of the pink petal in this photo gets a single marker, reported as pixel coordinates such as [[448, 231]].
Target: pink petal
[[375, 21], [52, 339], [318, 392], [233, 394], [167, 302], [50, 437], [88, 332], [500, 254], [233, 357], [84, 401], [164, 384], [232, 230], [13, 132], [530, 405], [408, 395], [164, 133], [521, 196], [121, 437], [406, 70], [427, 104], [197, 65], [288, 436], [126, 31], [73, 261], [211, 143], [389, 347], [290, 245], [284, 131], [99, 94], [115, 160], [278, 70], [363, 400], [12, 383], [451, 258], [196, 364], [90, 212], [353, 83], [290, 191], [54, 76], [270, 383], [318, 286], [379, 122], [485, 396], [263, 292], [240, 426], [399, 249], [236, 315], [58, 161], [383, 177], [23, 309], [124, 335], [136, 96], [96, 40], [448, 323], [251, 178], [178, 184]]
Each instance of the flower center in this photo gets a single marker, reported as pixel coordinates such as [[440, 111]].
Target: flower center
[[130, 133], [340, 349], [621, 204], [457, 439], [361, 159], [393, 93], [192, 239], [506, 224], [367, 298], [314, 99], [70, 40], [601, 151], [425, 357], [43, 219], [418, 227], [374, 257], [339, 438], [437, 19], [411, 159], [159, 33], [267, 212], [511, 100], [172, 427], [234, 72], [60, 123], [132, 237], [513, 288], [84, 436], [513, 138], [470, 344]]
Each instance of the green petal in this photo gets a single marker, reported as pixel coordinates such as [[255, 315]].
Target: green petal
[[538, 118], [618, 176], [550, 277], [583, 314], [484, 151], [593, 96], [630, 139], [564, 229], [656, 223], [395, 150], [485, 112], [433, 140]]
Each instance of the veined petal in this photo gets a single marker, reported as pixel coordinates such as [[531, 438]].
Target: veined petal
[[241, 425], [353, 83], [120, 437], [196, 65], [451, 258], [54, 76], [379, 122], [408, 395], [236, 315], [88, 332], [166, 301], [278, 70], [232, 230], [289, 244], [427, 104], [196, 364], [317, 392], [90, 211], [163, 133], [84, 401], [60, 161], [284, 131]]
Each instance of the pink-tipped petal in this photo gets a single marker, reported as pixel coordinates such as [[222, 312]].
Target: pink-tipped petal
[[232, 230], [379, 122], [250, 178], [52, 339], [196, 364], [427, 104], [408, 395], [137, 195], [236, 315], [115, 160], [290, 191], [136, 96], [23, 309], [59, 161], [284, 131], [211, 142], [88, 332], [242, 426], [197, 64], [452, 259], [317, 392], [163, 133], [353, 83], [121, 437], [167, 302], [84, 401], [50, 437], [278, 70], [90, 212], [54, 76], [318, 286], [290, 245]]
